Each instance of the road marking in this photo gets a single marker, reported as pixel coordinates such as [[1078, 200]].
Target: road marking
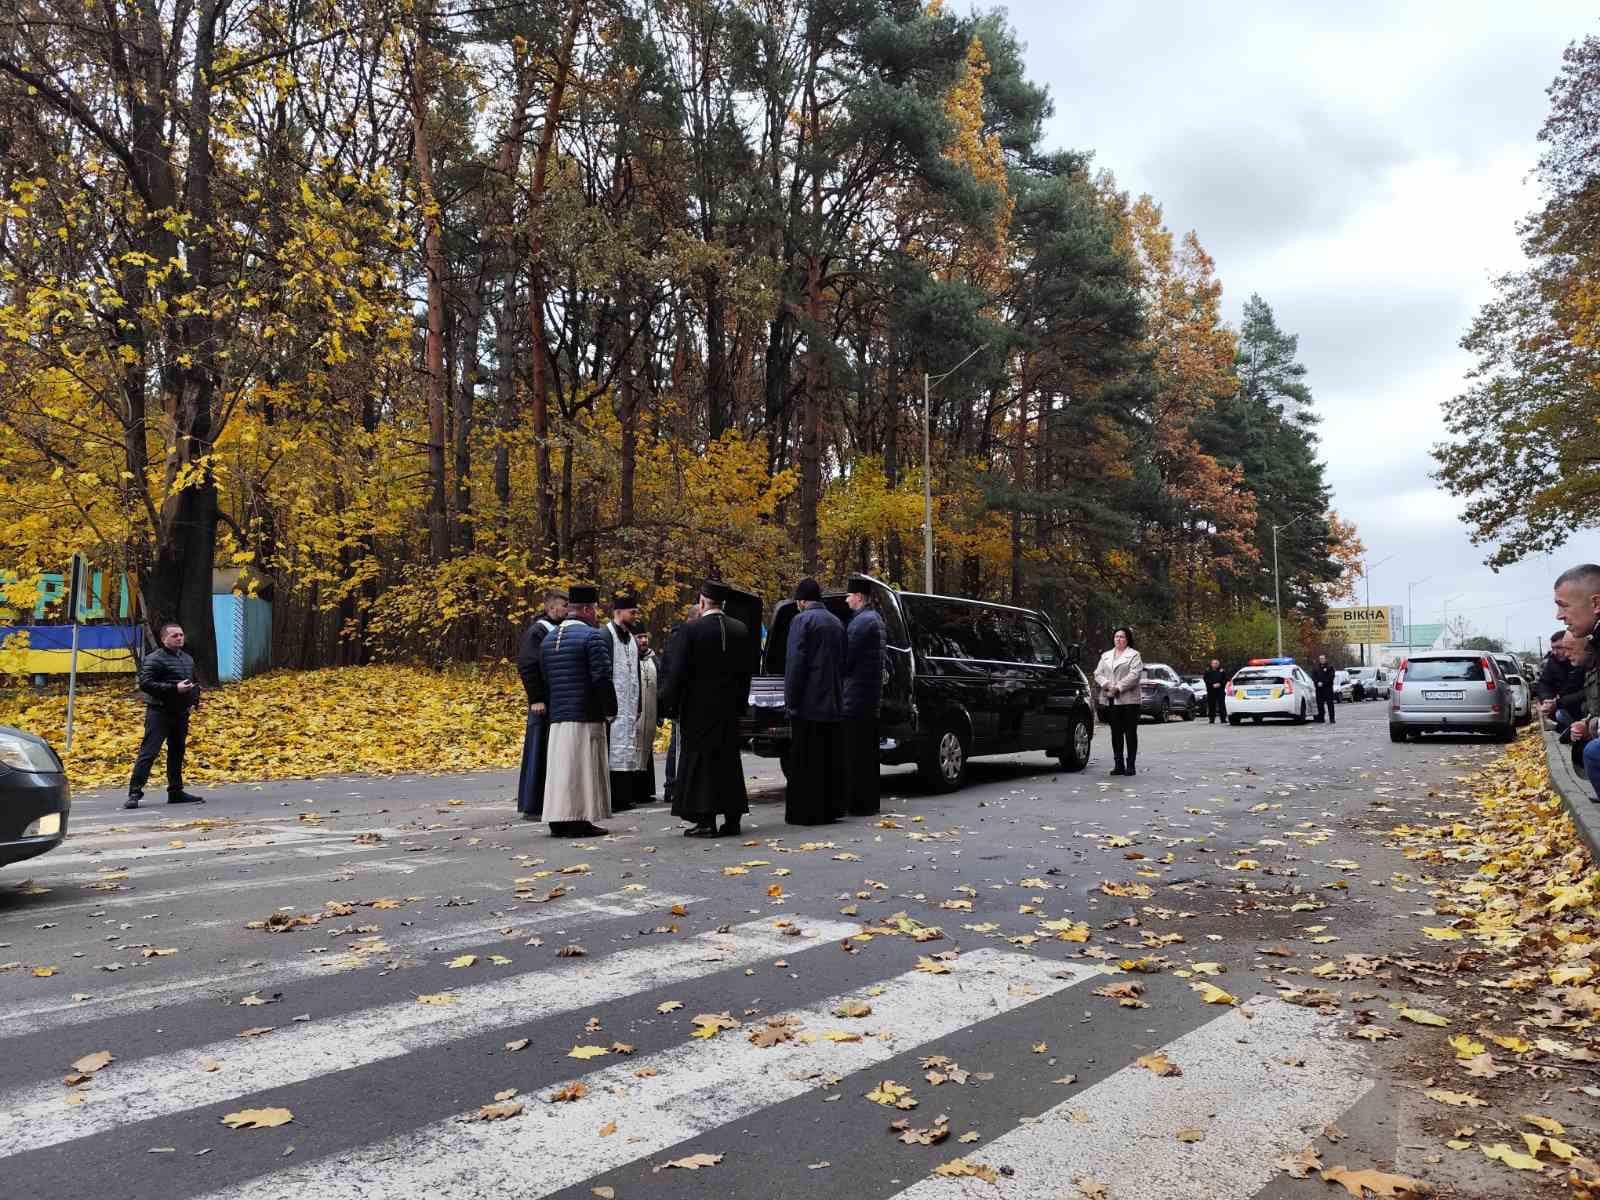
[[697, 1088], [575, 912], [140, 1090], [1235, 1087]]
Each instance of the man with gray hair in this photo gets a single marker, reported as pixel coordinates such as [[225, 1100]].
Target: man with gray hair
[[1577, 595]]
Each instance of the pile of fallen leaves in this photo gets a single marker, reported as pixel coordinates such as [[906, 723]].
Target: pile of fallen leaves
[[1522, 927], [366, 720]]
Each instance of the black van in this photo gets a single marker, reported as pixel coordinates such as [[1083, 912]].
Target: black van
[[961, 678]]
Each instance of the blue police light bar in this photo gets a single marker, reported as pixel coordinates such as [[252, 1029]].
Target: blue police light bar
[[1271, 662]]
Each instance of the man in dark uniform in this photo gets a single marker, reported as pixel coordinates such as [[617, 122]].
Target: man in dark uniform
[[862, 693], [170, 692], [536, 737], [813, 698], [705, 687], [1322, 677], [1216, 698]]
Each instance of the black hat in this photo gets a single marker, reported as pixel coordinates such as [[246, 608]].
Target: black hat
[[808, 589], [715, 591], [860, 584], [624, 600], [583, 593]]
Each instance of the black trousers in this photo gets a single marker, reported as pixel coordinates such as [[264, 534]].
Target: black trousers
[[1216, 705], [161, 726], [1325, 703], [861, 765], [672, 765], [815, 768], [1124, 722]]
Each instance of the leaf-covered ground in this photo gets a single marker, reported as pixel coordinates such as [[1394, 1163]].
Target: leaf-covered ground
[[1502, 1026], [366, 720]]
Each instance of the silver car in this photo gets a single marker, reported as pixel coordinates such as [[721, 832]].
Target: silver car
[[1522, 694], [1439, 691]]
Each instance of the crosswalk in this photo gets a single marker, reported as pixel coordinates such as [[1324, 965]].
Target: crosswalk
[[382, 1077]]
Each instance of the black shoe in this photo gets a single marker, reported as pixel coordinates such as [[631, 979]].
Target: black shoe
[[701, 831], [1118, 770], [730, 829], [1130, 771], [132, 802], [183, 798], [625, 807], [590, 829]]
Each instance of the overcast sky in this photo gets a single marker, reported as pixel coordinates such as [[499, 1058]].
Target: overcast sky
[[1362, 166]]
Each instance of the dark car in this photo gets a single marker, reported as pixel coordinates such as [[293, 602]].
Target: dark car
[[961, 678], [34, 797], [1162, 693]]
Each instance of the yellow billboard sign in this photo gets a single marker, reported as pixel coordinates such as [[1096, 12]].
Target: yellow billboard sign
[[1359, 624]]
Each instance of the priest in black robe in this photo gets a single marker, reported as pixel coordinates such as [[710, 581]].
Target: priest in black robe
[[862, 696], [705, 688]]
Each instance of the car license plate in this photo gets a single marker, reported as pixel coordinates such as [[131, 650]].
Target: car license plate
[[1256, 693], [1444, 695]]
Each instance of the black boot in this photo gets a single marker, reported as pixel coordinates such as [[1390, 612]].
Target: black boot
[[183, 798], [730, 828], [1119, 769], [133, 800]]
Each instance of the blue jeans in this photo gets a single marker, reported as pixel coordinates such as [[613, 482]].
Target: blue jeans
[[1591, 763]]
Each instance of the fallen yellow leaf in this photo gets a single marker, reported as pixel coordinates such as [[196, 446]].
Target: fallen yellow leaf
[[258, 1118], [1501, 1152]]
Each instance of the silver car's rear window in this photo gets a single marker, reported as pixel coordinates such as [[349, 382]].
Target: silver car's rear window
[[1427, 670]]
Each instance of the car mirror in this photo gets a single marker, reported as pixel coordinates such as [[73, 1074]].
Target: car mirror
[[1074, 654]]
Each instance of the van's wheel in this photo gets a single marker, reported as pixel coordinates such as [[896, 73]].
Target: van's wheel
[[943, 766], [1074, 756]]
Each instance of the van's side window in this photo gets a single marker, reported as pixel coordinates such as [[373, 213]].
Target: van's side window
[[1045, 650]]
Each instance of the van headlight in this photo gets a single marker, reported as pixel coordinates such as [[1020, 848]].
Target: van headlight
[[48, 825], [25, 754]]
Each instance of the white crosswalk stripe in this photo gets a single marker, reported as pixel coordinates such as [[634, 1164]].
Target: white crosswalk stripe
[[575, 912], [1237, 1089], [695, 1089], [34, 1116]]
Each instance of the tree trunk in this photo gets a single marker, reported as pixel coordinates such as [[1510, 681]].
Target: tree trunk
[[433, 259], [811, 397], [466, 401], [1019, 469], [537, 291], [894, 554]]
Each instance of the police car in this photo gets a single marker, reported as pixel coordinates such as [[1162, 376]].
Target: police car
[[1270, 687]]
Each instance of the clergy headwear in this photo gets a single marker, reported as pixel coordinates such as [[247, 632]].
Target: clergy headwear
[[625, 600], [715, 591], [859, 585], [584, 593], [808, 589]]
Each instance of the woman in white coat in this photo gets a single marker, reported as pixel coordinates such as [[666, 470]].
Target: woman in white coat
[[1116, 682]]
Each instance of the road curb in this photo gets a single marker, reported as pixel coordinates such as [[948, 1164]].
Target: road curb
[[1573, 788]]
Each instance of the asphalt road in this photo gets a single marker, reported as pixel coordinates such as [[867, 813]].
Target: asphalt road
[[1230, 842]]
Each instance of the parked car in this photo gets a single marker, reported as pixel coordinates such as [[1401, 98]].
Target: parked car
[[1521, 692], [1440, 691], [1343, 686], [1162, 693], [1270, 687], [962, 678], [1367, 683], [1197, 687], [35, 800]]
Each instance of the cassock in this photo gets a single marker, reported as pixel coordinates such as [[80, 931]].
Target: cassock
[[536, 736], [649, 680], [814, 656], [863, 693], [705, 688], [626, 766], [577, 669]]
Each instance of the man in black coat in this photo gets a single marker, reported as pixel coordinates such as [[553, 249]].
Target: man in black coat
[[170, 692], [536, 736], [862, 695], [1216, 698], [1322, 677], [813, 697], [705, 688]]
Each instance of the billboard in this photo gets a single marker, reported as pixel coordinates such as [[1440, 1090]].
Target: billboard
[[1372, 624]]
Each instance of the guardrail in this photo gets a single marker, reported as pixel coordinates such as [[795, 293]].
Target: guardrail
[[1573, 788]]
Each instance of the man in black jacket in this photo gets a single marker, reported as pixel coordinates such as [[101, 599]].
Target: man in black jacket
[[813, 697], [1322, 676], [862, 695], [705, 688], [1216, 699], [170, 692], [536, 736]]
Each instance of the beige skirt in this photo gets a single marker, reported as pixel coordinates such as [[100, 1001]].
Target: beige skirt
[[577, 785]]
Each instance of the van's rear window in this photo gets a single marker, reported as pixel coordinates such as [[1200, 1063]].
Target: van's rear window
[[1260, 677], [1426, 670]]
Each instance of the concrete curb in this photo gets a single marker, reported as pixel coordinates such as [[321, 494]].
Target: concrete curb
[[1573, 788]]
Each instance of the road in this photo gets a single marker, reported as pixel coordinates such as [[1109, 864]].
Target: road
[[435, 955]]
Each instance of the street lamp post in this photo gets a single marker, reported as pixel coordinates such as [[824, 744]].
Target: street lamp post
[[1366, 576], [927, 470], [1444, 618], [1277, 601], [1411, 611]]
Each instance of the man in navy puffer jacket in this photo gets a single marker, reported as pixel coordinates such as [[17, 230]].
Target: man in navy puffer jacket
[[813, 696], [576, 661]]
